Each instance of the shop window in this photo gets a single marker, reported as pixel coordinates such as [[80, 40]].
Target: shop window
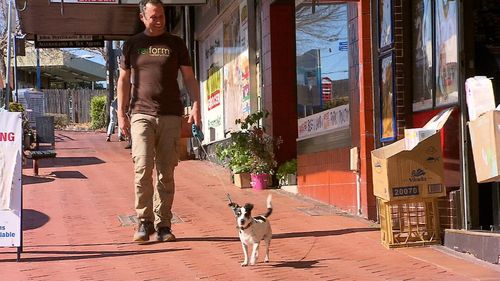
[[388, 128], [435, 53], [322, 57]]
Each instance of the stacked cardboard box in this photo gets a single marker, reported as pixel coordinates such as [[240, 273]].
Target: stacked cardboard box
[[407, 180], [411, 168], [484, 128]]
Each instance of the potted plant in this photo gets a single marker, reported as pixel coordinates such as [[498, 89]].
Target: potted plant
[[287, 173], [250, 150], [235, 155], [28, 136], [261, 147]]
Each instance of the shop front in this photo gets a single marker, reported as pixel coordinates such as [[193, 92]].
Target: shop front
[[424, 52]]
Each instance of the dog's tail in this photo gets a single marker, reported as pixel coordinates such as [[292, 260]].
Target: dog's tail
[[269, 207]]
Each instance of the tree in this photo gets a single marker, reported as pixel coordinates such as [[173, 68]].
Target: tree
[[326, 24], [4, 10]]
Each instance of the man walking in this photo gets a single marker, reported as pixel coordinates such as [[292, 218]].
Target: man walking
[[148, 71], [113, 121]]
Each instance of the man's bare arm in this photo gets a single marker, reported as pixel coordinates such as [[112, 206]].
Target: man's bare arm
[[194, 93], [123, 94]]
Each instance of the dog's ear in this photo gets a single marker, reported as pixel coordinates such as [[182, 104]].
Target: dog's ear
[[248, 207], [233, 205]]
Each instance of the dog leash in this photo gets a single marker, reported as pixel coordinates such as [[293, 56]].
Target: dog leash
[[198, 134]]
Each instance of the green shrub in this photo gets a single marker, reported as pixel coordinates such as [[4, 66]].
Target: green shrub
[[27, 132], [98, 112], [18, 107], [61, 121], [287, 168]]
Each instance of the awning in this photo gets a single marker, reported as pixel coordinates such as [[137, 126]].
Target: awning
[[111, 21]]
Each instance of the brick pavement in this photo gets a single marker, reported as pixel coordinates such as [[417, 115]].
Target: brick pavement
[[72, 230]]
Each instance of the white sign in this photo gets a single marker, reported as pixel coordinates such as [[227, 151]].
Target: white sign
[[64, 37], [86, 1], [10, 178], [324, 122], [168, 2], [131, 2]]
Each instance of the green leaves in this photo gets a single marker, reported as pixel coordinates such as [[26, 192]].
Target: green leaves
[[287, 168], [251, 149], [98, 112]]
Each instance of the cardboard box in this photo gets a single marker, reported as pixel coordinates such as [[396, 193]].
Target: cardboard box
[[485, 140], [415, 136], [479, 95], [402, 173]]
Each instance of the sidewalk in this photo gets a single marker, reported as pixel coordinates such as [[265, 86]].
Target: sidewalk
[[73, 229]]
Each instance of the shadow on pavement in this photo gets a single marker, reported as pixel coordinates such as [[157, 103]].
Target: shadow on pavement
[[62, 137], [76, 161], [33, 219], [320, 233], [68, 175], [323, 233], [33, 180], [82, 245], [208, 239], [82, 255], [301, 264]]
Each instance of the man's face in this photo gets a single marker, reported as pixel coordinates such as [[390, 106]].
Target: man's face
[[154, 18]]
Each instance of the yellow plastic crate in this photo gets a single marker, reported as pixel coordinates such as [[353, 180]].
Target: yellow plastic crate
[[409, 223]]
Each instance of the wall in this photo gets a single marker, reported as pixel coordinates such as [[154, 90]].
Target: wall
[[323, 175]]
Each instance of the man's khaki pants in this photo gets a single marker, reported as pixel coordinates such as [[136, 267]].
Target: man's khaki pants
[[155, 145]]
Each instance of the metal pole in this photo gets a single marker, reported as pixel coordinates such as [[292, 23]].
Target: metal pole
[[9, 43], [16, 98], [464, 143], [38, 71], [111, 75]]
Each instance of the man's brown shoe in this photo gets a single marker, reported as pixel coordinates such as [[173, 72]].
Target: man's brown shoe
[[164, 234], [144, 230]]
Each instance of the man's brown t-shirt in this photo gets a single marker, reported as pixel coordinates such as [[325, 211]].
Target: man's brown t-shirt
[[154, 63]]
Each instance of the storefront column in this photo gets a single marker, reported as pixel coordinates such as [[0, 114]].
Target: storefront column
[[279, 89], [366, 129]]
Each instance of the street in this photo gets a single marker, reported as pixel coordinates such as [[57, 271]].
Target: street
[[78, 225]]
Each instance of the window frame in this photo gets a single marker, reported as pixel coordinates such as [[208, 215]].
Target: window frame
[[434, 72]]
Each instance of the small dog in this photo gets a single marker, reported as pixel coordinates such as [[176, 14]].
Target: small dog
[[253, 229]]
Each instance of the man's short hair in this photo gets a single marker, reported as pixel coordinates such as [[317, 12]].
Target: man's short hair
[[143, 3]]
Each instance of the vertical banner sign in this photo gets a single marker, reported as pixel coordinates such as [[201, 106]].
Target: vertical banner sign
[[211, 90], [244, 65], [10, 178]]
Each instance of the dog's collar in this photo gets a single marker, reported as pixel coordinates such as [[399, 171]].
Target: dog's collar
[[246, 227]]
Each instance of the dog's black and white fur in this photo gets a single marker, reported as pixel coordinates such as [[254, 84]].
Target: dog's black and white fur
[[253, 229]]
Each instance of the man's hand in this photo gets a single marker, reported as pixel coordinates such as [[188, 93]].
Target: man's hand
[[124, 123], [195, 115]]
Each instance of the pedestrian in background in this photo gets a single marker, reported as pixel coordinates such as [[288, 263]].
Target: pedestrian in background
[[113, 121], [149, 67]]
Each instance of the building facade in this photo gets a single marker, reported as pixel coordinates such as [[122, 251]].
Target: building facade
[[309, 64], [423, 53]]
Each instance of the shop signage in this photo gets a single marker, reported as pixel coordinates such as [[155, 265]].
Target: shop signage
[[86, 1], [10, 179], [67, 41], [343, 46], [69, 44], [131, 2], [324, 122]]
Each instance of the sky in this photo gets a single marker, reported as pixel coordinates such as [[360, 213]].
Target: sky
[[92, 56]]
